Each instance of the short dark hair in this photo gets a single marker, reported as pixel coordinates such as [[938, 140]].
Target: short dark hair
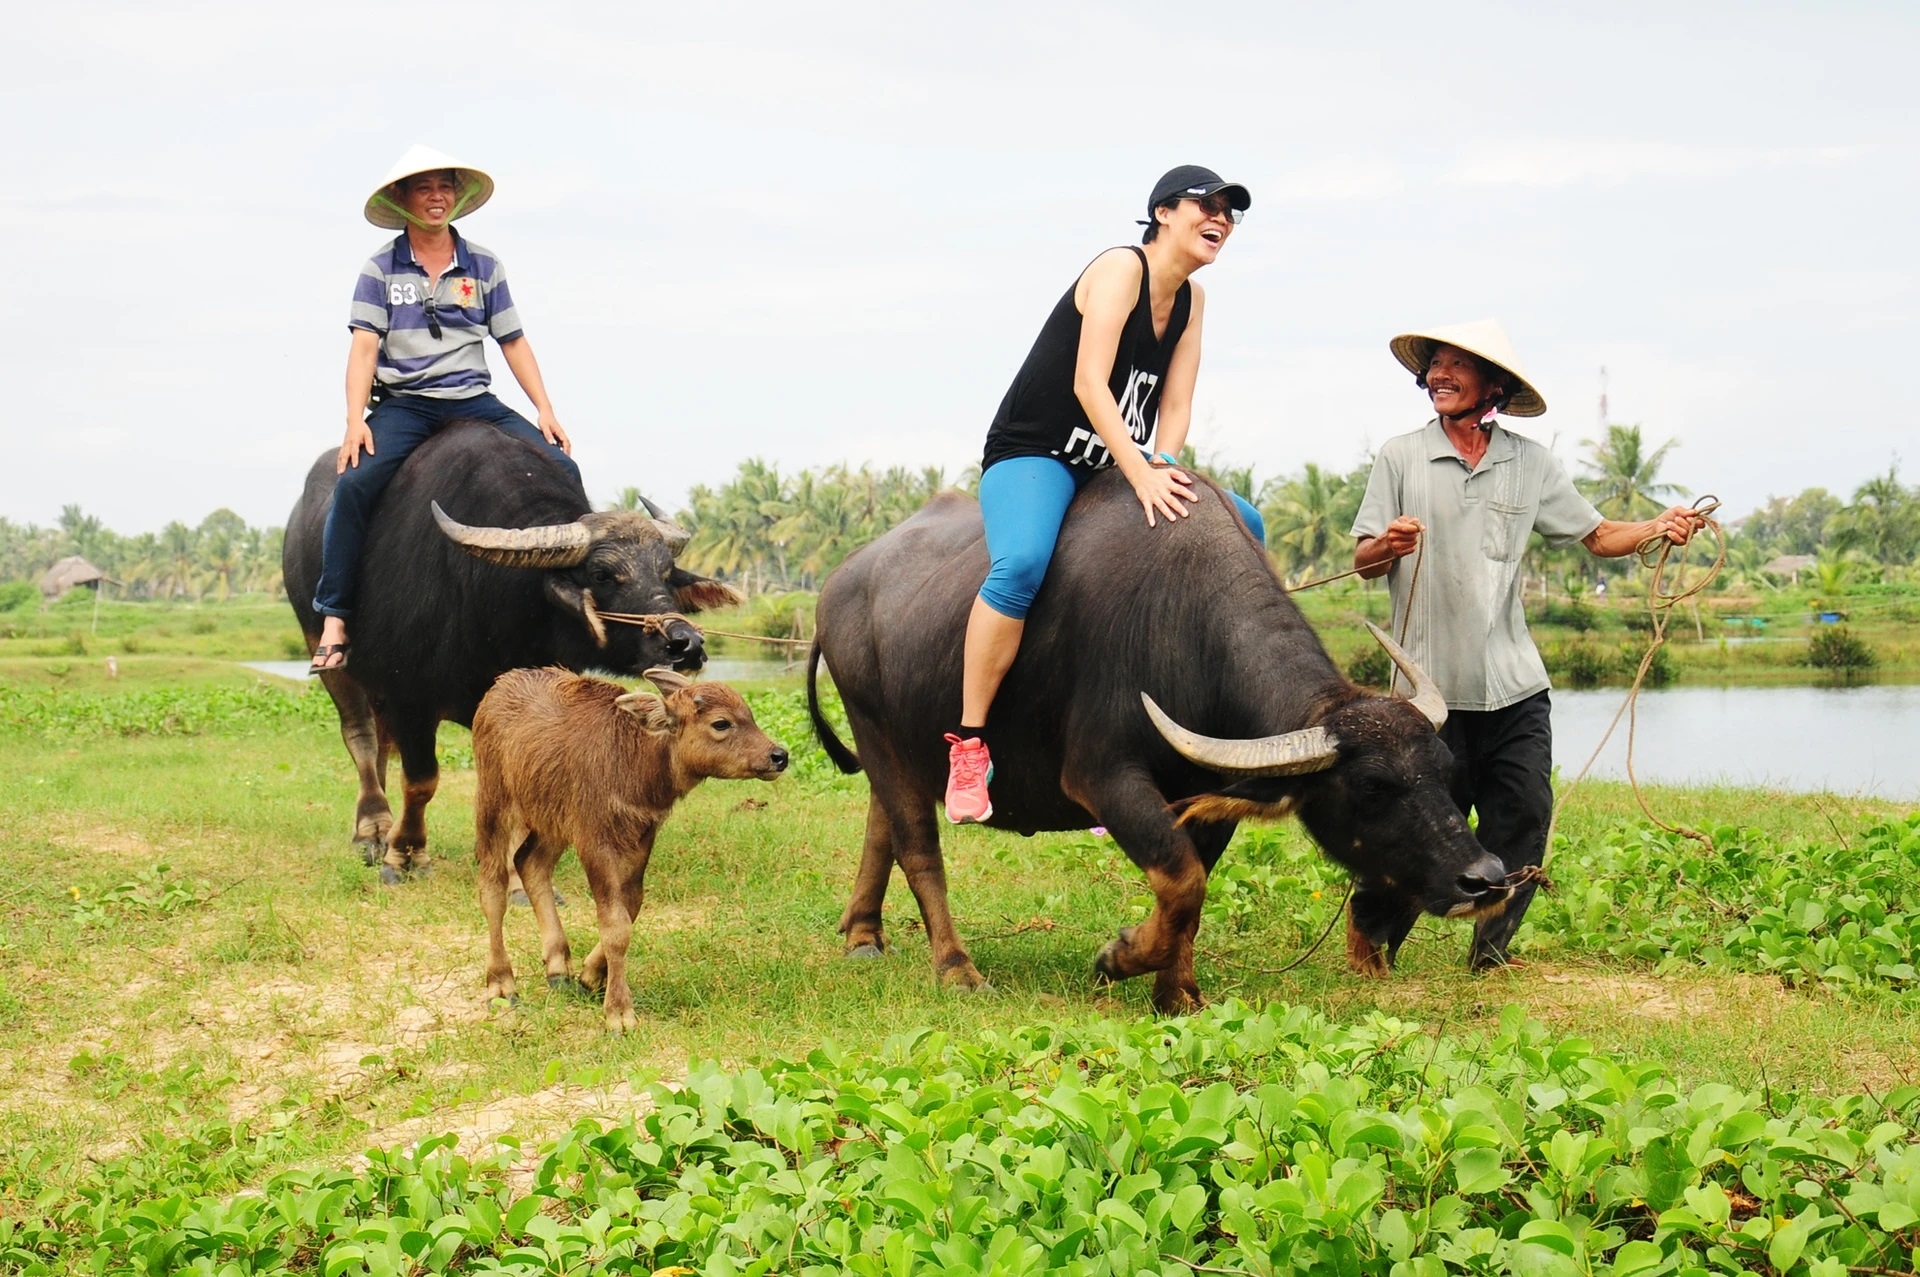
[[1153, 227], [1488, 369]]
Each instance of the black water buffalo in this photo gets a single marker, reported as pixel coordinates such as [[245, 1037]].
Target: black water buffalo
[[1166, 688], [482, 557]]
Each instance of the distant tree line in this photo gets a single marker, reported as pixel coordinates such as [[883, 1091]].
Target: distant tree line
[[769, 530], [219, 557], [773, 531]]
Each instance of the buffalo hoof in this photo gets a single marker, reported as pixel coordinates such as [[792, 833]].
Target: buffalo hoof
[[372, 851], [1178, 1000], [1106, 965], [390, 877], [865, 951], [962, 975], [620, 1021], [568, 985]]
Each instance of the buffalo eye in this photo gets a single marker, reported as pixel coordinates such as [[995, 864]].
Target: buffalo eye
[[721, 725], [602, 576], [1378, 786]]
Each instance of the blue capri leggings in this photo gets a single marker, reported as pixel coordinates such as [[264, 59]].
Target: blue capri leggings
[[1023, 501]]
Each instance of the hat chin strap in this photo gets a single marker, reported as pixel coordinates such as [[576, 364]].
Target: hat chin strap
[[461, 203]]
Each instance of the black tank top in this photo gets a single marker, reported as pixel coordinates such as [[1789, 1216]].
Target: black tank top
[[1041, 417]]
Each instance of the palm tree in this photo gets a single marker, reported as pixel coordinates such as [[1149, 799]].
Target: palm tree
[[1883, 522], [1308, 516], [1622, 478], [177, 544]]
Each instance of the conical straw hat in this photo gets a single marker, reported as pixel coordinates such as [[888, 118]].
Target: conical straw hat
[[1483, 337], [476, 188]]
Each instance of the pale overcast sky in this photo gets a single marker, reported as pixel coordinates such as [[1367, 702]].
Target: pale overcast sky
[[816, 233]]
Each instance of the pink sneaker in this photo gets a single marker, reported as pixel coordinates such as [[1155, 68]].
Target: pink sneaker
[[969, 772]]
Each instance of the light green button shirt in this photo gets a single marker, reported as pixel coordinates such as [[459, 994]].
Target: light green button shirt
[[1468, 630]]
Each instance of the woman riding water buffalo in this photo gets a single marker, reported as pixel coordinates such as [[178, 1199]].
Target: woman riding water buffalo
[[1118, 355], [423, 306]]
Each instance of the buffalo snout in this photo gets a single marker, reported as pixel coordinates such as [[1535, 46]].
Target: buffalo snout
[[1482, 885], [777, 760], [686, 650]]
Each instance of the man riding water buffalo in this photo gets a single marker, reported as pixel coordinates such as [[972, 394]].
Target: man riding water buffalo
[[457, 534], [1476, 492], [422, 308], [1118, 355]]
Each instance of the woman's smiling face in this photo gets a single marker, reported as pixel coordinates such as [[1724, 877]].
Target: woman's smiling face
[[1200, 226]]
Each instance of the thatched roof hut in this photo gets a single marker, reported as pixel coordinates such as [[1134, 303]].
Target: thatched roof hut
[[1789, 565], [70, 573]]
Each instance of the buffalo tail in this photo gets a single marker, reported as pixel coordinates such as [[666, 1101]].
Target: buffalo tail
[[843, 758]]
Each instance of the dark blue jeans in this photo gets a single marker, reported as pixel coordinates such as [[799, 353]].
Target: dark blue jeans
[[400, 423]]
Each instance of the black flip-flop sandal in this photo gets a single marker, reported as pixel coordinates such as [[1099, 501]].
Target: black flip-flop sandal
[[321, 653]]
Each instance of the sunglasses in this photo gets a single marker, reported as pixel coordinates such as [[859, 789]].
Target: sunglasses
[[1219, 204]]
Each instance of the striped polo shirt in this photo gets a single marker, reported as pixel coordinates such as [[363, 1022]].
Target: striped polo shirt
[[1468, 630], [470, 300]]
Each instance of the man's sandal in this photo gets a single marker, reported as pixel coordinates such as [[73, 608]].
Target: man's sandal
[[320, 655]]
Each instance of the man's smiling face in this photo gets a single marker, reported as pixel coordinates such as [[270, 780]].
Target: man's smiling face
[[1457, 382], [429, 198]]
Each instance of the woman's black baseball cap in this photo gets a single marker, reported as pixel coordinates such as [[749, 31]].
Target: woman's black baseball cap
[[1190, 181]]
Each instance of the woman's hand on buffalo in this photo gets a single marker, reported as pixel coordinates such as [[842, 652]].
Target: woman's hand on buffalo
[[1161, 489], [358, 437]]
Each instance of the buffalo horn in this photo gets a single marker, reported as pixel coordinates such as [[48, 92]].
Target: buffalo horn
[[559, 545], [675, 535], [667, 680], [1426, 693], [1312, 749]]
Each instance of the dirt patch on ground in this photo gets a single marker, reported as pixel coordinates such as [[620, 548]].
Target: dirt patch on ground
[[527, 1120], [98, 840], [1672, 998]]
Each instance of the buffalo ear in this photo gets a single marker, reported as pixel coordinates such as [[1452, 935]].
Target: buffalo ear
[[1257, 798], [650, 710], [570, 597], [700, 593]]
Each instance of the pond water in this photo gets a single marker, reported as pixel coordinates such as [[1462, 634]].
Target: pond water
[[720, 668], [1850, 740]]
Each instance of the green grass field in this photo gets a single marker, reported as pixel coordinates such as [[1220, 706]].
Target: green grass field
[[202, 987], [204, 993]]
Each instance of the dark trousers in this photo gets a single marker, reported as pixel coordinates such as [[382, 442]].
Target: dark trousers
[[1503, 770], [400, 423]]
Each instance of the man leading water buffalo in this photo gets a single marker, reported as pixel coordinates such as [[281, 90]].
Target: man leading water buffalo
[[1476, 491], [422, 309]]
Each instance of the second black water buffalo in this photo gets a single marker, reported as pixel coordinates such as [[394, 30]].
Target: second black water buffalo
[[1166, 688], [483, 556]]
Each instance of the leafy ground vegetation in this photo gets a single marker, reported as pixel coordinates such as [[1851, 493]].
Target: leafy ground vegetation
[[230, 1050]]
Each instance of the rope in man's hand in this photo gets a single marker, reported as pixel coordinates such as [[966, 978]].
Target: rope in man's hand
[[1654, 554]]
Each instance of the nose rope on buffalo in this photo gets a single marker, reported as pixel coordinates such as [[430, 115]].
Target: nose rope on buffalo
[[657, 623]]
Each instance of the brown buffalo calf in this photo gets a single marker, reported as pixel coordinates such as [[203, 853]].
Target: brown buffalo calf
[[564, 761]]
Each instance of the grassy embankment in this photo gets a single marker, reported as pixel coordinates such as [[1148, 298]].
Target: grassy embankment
[[1589, 642], [202, 987]]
